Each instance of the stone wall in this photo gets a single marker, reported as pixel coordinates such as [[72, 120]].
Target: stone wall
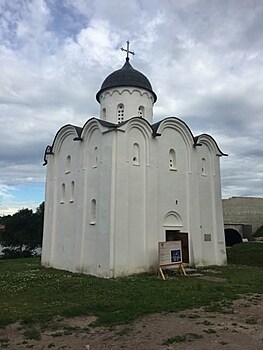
[[243, 210]]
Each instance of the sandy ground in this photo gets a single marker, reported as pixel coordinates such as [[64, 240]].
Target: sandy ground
[[239, 327]]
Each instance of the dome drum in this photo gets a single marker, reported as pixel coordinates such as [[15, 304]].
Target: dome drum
[[135, 102], [130, 88]]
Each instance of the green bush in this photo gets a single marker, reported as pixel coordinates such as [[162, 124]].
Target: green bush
[[259, 232], [15, 253]]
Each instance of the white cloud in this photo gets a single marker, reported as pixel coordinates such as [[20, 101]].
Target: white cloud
[[203, 59]]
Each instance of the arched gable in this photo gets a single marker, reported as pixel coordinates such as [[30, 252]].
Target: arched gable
[[179, 126], [210, 142], [207, 151], [94, 123], [62, 134], [141, 124], [144, 128], [91, 133]]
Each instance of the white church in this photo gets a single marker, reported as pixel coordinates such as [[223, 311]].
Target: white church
[[120, 184]]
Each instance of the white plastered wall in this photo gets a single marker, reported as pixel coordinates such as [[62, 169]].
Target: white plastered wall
[[133, 198], [131, 98], [211, 216], [131, 185], [61, 209], [95, 240]]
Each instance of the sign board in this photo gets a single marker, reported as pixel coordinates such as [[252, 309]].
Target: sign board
[[170, 253]]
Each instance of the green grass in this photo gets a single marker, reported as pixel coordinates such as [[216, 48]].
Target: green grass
[[249, 254], [175, 339], [252, 320], [30, 293], [32, 334]]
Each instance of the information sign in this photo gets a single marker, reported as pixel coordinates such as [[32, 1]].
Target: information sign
[[170, 253]]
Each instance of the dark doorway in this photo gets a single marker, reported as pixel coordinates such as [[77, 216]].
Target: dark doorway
[[232, 237], [173, 235]]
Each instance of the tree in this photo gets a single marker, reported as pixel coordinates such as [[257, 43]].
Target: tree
[[39, 222], [23, 230]]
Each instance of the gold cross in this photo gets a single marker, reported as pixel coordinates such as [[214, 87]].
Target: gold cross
[[127, 50]]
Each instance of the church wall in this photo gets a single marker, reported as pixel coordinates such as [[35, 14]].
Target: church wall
[[211, 234], [49, 210], [195, 242], [191, 192], [95, 240], [131, 98], [137, 197], [206, 207], [219, 222], [152, 218], [64, 207], [142, 186], [130, 239], [172, 179]]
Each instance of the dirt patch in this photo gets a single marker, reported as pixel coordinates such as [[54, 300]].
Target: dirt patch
[[237, 326]]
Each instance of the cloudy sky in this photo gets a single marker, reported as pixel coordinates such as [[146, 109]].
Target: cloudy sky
[[203, 58]]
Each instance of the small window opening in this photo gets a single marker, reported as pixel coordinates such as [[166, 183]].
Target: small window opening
[[104, 114], [141, 112], [68, 165], [172, 159], [72, 191], [63, 192], [203, 170], [120, 113], [93, 210], [136, 154], [95, 157]]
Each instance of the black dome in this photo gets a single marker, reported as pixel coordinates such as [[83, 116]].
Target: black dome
[[126, 76]]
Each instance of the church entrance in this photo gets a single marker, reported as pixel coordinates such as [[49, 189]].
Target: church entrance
[[176, 235]]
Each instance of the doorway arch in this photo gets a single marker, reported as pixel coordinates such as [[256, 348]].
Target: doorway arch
[[173, 226], [172, 219]]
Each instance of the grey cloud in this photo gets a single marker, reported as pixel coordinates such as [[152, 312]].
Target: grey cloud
[[202, 57]]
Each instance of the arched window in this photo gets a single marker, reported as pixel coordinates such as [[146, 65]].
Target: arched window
[[141, 112], [68, 165], [136, 154], [95, 157], [120, 113], [93, 209], [63, 192], [203, 169], [104, 114], [72, 192], [172, 159]]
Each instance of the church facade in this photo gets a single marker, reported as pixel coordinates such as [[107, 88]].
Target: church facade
[[120, 184]]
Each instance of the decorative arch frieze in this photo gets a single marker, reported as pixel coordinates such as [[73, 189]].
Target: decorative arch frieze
[[130, 91], [172, 219]]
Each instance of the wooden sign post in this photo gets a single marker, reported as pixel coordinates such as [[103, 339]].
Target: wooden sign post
[[170, 254]]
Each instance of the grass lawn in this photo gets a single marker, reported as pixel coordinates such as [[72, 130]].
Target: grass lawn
[[30, 293]]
